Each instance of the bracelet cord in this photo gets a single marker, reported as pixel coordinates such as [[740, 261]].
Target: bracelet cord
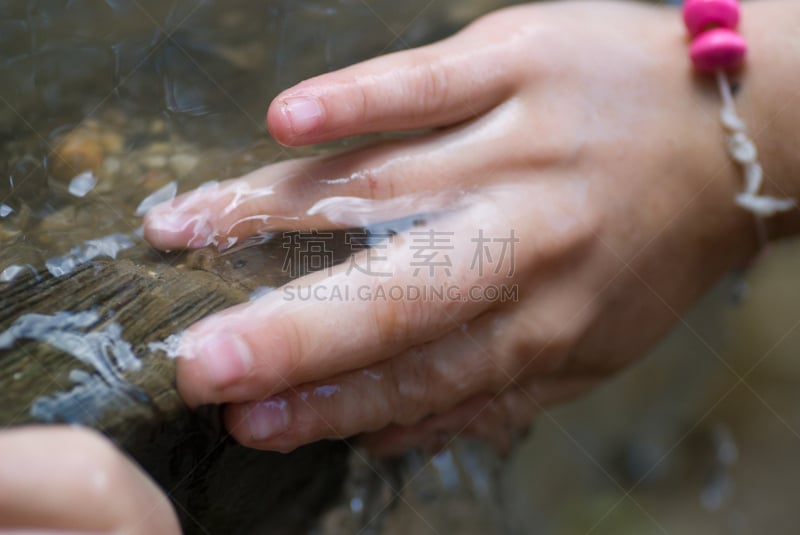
[[718, 48], [744, 152]]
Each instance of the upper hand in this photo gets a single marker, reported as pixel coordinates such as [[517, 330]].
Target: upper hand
[[579, 128]]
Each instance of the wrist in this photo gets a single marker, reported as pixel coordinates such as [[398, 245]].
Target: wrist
[[769, 101]]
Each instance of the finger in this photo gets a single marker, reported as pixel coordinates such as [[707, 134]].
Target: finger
[[89, 485], [322, 326], [355, 189], [425, 380], [468, 382], [379, 183], [436, 85], [481, 417], [499, 420]]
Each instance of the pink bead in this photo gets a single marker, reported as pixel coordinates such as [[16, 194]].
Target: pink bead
[[718, 49], [702, 15]]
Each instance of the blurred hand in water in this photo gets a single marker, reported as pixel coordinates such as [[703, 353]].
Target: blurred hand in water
[[574, 134], [71, 480]]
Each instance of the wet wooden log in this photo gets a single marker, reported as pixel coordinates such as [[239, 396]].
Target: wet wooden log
[[87, 348]]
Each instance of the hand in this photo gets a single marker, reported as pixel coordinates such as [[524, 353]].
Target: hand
[[577, 129], [71, 480]]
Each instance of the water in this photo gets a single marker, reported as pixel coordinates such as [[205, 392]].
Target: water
[[107, 107], [167, 93]]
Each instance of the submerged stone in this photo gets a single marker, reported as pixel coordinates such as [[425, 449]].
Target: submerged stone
[[87, 348]]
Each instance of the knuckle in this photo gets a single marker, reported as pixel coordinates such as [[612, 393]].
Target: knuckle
[[361, 100], [287, 352], [409, 390], [373, 182], [461, 378], [327, 419], [397, 321], [431, 86], [544, 339], [488, 376]]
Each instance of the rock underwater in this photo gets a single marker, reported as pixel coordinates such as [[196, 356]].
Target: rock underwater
[[89, 348], [103, 103]]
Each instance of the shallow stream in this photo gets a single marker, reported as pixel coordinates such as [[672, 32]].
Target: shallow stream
[[109, 106]]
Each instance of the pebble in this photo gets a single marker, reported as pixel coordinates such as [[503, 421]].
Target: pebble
[[159, 148], [155, 179], [7, 233], [84, 149], [112, 141], [157, 127], [59, 221], [77, 153], [155, 161], [111, 166], [182, 163]]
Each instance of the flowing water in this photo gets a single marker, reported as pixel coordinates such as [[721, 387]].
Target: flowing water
[[107, 107]]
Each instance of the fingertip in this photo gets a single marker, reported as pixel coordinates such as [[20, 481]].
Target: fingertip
[[211, 364], [161, 235], [294, 119], [168, 228], [278, 126], [263, 425]]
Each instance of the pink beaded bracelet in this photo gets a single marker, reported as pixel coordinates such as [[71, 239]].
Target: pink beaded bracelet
[[718, 48]]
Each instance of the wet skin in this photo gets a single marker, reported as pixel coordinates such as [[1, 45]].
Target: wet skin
[[609, 173]]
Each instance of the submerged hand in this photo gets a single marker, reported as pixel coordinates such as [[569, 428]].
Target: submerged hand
[[70, 480], [575, 168]]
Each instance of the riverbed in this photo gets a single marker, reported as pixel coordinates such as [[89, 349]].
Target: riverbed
[[108, 107]]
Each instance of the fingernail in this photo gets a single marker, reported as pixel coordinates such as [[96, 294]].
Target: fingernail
[[225, 358], [303, 113], [268, 419], [180, 228]]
